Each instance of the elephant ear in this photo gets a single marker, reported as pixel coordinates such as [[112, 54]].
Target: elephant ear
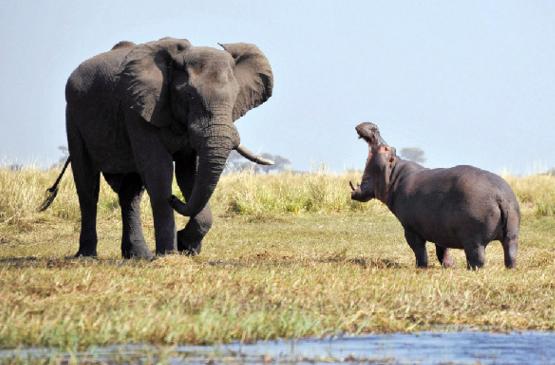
[[382, 162], [254, 75], [146, 76]]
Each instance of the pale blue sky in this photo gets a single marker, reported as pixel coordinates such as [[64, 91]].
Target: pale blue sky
[[470, 82]]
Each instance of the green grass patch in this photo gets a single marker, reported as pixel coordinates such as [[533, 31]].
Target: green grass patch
[[288, 256]]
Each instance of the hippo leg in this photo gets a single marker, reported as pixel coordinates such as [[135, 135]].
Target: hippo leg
[[418, 246]]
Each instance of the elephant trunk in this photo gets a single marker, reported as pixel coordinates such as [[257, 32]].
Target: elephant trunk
[[215, 143]]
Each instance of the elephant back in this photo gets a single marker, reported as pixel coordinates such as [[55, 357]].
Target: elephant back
[[95, 80]]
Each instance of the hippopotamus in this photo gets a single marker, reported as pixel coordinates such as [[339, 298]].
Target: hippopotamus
[[461, 207]]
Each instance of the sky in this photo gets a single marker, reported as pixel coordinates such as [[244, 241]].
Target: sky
[[469, 82]]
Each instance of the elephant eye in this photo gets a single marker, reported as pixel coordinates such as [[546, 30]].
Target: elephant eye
[[194, 67]]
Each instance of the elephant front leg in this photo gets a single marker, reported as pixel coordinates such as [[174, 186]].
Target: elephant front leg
[[133, 243], [158, 185], [189, 239], [155, 166]]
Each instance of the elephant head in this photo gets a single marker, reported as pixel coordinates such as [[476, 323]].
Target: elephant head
[[377, 174], [203, 91]]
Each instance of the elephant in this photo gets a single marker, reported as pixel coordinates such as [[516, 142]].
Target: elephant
[[138, 109], [461, 207]]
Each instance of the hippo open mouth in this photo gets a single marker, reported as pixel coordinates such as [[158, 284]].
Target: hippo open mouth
[[370, 133]]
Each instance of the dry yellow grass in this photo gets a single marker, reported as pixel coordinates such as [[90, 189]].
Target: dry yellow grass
[[289, 256]]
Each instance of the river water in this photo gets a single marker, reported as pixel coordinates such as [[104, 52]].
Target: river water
[[467, 347]]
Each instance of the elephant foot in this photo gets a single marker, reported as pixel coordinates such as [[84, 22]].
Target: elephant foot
[[136, 251], [188, 243], [165, 251], [83, 253], [190, 248]]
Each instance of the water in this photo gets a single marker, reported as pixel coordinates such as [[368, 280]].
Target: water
[[421, 348]]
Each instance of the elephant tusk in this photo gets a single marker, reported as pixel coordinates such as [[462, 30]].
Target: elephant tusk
[[246, 153]]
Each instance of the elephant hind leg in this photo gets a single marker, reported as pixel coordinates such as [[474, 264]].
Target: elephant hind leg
[[133, 243], [87, 183]]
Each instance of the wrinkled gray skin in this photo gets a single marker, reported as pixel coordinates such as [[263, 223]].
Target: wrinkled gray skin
[[135, 110], [461, 207]]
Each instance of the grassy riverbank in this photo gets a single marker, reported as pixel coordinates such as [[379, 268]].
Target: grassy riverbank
[[288, 256]]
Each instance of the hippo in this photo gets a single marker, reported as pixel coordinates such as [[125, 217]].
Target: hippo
[[461, 207]]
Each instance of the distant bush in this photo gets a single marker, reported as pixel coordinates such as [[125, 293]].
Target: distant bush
[[535, 193], [288, 192], [22, 191], [243, 193]]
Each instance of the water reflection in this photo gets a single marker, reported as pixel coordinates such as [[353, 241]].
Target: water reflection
[[425, 347]]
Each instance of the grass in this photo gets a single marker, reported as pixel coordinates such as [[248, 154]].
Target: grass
[[288, 256]]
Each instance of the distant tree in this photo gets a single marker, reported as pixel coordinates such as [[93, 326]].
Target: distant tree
[[280, 164], [413, 154], [65, 154], [15, 167], [237, 163]]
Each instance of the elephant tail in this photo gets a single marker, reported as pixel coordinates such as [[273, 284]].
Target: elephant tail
[[53, 190]]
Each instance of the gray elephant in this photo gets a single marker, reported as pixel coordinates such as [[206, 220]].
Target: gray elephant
[[135, 110], [461, 207]]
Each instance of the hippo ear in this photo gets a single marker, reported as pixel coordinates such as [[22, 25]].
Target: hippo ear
[[146, 76], [254, 75], [381, 167]]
